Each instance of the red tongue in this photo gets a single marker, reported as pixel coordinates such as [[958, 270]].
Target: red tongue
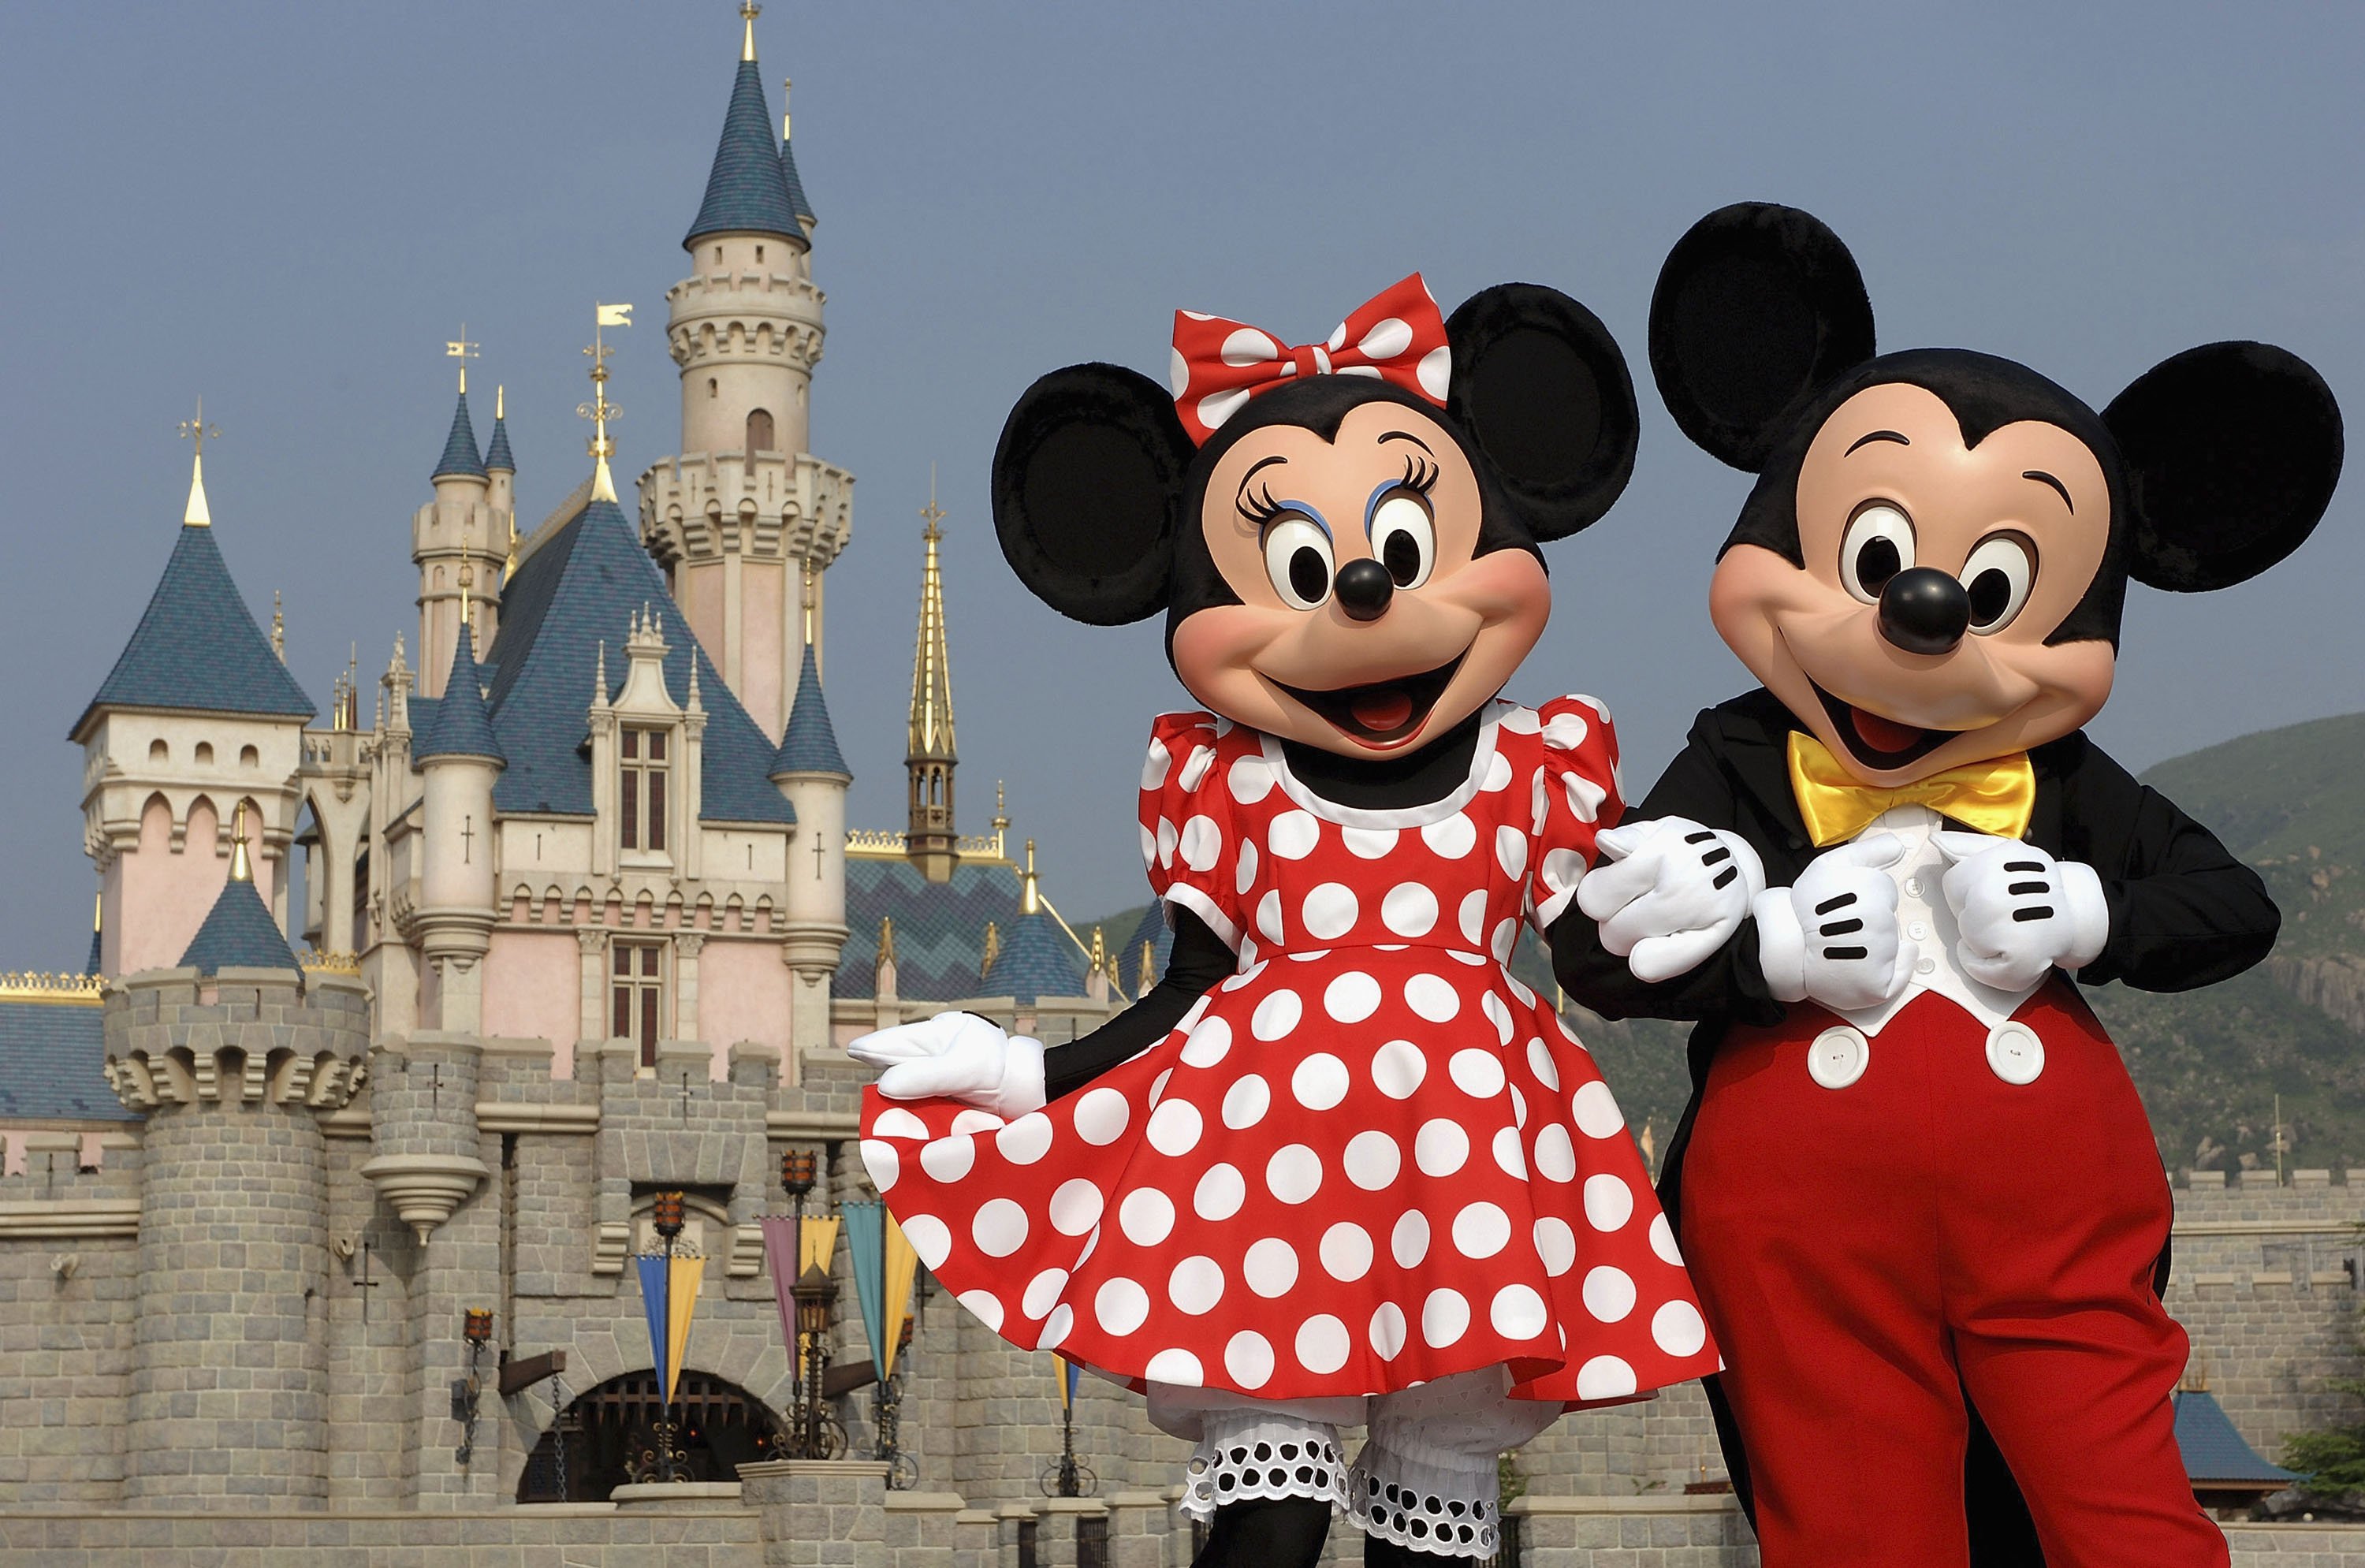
[[1381, 711], [1883, 735]]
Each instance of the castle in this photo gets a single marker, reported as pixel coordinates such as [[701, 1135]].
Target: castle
[[582, 923]]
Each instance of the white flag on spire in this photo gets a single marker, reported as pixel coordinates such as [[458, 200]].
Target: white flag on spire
[[615, 315]]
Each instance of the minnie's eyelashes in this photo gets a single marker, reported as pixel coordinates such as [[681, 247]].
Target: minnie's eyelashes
[[1261, 508], [1420, 475]]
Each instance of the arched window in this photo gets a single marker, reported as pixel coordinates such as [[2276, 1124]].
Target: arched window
[[609, 1433], [159, 752], [711, 389], [249, 757], [204, 754], [760, 430]]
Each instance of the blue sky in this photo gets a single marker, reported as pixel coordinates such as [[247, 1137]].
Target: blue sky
[[289, 209]]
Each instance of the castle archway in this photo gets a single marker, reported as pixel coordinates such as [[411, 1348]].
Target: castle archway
[[609, 1434]]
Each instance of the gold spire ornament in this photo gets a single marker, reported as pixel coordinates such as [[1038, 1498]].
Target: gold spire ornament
[[279, 628], [886, 939], [809, 601], [599, 410], [785, 85], [197, 431], [464, 350], [749, 11], [1030, 897], [468, 580], [497, 391], [239, 871], [932, 679]]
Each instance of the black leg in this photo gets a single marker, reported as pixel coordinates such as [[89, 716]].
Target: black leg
[[1285, 1532]]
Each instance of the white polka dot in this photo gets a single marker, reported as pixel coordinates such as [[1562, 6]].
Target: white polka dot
[[1556, 1245], [1435, 372], [1346, 1251], [1122, 1307], [1293, 1173], [1220, 1192], [1043, 1292], [1352, 997], [1468, 960], [1444, 1318], [1481, 1230], [1268, 915], [1322, 1344], [1248, 1358], [1167, 839], [1521, 721], [1663, 1241], [1451, 839], [1609, 1202], [1000, 1227], [1563, 868], [1564, 732], [1244, 871], [1178, 373], [1056, 1327], [1608, 1293], [1477, 1072], [1604, 1377], [1246, 345], [1158, 1088], [1473, 916], [1511, 851], [1556, 1155], [1541, 1063], [1499, 1012], [1075, 1208], [1387, 1331], [1329, 912], [1202, 842], [972, 1120], [1174, 1128], [1154, 766], [1596, 1110], [883, 1164], [1248, 976], [1319, 1083], [1508, 1156], [1208, 1044], [1269, 1267], [1517, 1313], [1147, 1217], [1292, 834], [1432, 997], [896, 1122], [1218, 407], [1245, 1103], [1276, 1015], [1387, 339], [985, 1306], [1505, 940], [1194, 772], [1369, 843], [1373, 1160], [1195, 1285], [1440, 1147], [1176, 1369], [1025, 1141], [948, 1158], [1585, 796], [1409, 910], [1677, 1329], [1092, 1245], [1149, 846], [1541, 801], [930, 1239], [1408, 1243], [1398, 1069], [1101, 1116], [1310, 954], [1249, 779]]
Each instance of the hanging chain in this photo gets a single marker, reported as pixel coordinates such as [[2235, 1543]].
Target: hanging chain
[[558, 1430]]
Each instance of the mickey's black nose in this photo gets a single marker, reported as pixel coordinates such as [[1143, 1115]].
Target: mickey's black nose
[[1923, 611], [1364, 589]]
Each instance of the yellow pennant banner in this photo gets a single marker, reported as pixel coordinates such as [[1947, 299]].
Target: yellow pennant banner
[[902, 1265], [681, 1301], [818, 1242]]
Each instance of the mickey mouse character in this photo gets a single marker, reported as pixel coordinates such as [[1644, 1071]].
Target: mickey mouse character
[[1914, 1175], [1339, 1166]]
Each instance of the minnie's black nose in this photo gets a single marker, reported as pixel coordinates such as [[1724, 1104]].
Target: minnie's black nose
[[1364, 588], [1923, 611]]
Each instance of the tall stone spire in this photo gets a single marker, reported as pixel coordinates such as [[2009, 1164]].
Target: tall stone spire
[[931, 754], [746, 190]]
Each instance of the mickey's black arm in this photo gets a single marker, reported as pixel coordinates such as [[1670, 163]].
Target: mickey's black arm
[[1200, 960]]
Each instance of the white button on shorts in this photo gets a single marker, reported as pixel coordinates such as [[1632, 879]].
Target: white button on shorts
[[2014, 1053], [1918, 930], [1838, 1056]]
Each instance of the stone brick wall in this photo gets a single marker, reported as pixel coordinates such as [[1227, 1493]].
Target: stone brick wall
[[65, 1336]]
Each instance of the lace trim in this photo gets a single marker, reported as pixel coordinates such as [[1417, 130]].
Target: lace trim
[[1258, 1455], [1427, 1507]]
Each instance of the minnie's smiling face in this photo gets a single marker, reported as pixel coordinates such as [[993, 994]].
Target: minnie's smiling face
[[1369, 617]]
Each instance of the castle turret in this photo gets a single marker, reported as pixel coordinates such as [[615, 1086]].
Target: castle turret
[[930, 754], [461, 761], [500, 494], [812, 772], [459, 533], [737, 514]]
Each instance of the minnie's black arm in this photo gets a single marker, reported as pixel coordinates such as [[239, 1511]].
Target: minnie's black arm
[[1200, 960]]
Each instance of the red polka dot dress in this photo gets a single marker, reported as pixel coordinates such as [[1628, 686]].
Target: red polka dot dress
[[1368, 1160]]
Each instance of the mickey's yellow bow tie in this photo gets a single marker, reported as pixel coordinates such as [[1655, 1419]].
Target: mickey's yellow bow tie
[[1995, 796]]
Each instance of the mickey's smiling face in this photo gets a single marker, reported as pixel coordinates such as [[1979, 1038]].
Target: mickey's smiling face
[[1914, 635], [1369, 620]]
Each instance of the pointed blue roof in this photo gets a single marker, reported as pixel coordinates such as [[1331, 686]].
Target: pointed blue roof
[[1153, 930], [580, 588], [797, 202], [52, 1057], [2213, 1449], [459, 727], [238, 932], [197, 647], [745, 192], [808, 742], [939, 926], [1035, 961], [460, 447], [497, 456]]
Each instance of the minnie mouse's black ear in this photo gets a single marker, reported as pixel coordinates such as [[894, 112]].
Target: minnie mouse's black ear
[[2231, 451], [1540, 385], [1084, 482], [1758, 307]]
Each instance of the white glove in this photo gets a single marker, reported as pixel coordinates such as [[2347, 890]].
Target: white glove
[[1832, 936], [2019, 912], [960, 1055], [1668, 893]]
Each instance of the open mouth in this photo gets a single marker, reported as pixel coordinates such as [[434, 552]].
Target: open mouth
[[1386, 713], [1881, 744]]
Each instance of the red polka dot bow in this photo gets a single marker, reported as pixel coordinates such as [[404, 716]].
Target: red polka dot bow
[[1397, 336]]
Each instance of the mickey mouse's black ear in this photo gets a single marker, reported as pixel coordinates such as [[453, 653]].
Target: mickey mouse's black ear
[[1540, 385], [1084, 482], [2231, 451], [1758, 307]]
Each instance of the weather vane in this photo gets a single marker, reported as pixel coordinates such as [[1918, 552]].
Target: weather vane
[[932, 513], [464, 350], [197, 431], [599, 410]]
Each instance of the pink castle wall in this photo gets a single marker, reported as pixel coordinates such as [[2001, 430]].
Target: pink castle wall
[[533, 984], [743, 994], [156, 897]]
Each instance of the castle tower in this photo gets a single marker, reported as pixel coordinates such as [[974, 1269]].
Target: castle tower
[[459, 533], [812, 772], [461, 762], [739, 512], [173, 743], [500, 494], [229, 1363], [930, 754]]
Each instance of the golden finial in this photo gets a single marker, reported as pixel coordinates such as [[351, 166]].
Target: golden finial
[[809, 601], [749, 10], [197, 431], [461, 349], [1000, 811], [497, 391], [279, 628], [993, 950], [1099, 958], [599, 410], [932, 682], [468, 578], [240, 871], [785, 85], [1148, 977], [98, 911], [1030, 898], [886, 939]]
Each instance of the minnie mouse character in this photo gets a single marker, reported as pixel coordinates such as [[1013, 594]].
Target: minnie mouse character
[[1339, 1166], [1915, 1176]]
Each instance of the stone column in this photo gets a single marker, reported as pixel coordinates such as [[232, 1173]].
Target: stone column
[[820, 1513]]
